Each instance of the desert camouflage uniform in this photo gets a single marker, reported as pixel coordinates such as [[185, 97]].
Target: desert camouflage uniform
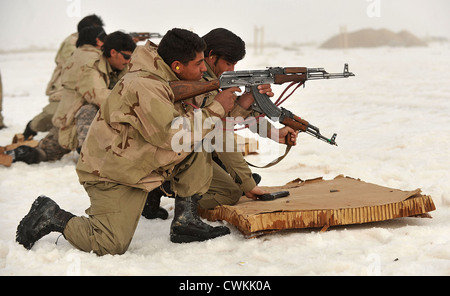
[[78, 77], [87, 80], [43, 121], [95, 91], [225, 189], [66, 50], [128, 152], [83, 120], [70, 101]]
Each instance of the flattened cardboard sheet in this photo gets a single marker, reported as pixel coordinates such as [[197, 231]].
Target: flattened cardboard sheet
[[322, 203]]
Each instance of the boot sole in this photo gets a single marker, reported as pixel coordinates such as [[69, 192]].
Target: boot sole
[[181, 238], [185, 238], [21, 235], [161, 214]]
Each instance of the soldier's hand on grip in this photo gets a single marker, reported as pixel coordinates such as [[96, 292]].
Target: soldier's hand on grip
[[227, 97]]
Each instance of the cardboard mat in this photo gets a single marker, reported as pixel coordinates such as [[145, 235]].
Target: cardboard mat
[[321, 203]]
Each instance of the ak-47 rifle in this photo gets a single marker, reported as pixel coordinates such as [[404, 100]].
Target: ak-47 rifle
[[251, 79], [142, 36]]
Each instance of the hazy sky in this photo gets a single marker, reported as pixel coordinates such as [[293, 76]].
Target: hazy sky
[[47, 22]]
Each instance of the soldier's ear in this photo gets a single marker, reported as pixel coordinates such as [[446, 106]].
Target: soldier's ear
[[212, 57], [176, 67], [113, 53], [99, 43]]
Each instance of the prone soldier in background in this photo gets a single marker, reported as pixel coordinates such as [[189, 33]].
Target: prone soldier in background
[[43, 121], [87, 79]]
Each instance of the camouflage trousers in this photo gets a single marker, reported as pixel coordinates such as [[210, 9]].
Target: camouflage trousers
[[49, 147], [116, 209], [228, 184], [43, 121], [83, 120], [222, 191]]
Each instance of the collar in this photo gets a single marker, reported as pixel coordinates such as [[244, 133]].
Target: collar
[[105, 67], [209, 74]]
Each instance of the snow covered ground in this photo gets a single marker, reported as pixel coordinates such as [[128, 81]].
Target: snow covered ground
[[393, 128]]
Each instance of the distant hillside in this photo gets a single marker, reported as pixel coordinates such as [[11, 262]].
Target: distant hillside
[[373, 38]]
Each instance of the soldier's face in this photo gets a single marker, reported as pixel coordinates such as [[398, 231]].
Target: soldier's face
[[219, 65], [193, 70], [119, 59]]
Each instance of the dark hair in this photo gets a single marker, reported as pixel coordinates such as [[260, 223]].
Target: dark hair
[[89, 35], [118, 41], [180, 45], [89, 21], [225, 44]]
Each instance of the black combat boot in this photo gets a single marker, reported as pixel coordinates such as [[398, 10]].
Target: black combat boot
[[28, 132], [152, 210], [257, 178], [186, 225], [44, 217], [24, 153]]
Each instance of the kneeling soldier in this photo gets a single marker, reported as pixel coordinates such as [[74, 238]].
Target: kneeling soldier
[[128, 153]]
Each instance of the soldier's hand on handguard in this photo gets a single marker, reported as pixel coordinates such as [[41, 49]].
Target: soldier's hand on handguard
[[247, 99], [253, 194], [287, 131], [227, 97], [266, 89]]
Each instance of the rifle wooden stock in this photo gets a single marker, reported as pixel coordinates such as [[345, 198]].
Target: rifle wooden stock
[[183, 89]]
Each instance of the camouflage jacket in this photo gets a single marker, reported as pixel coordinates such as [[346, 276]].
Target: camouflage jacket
[[235, 164], [71, 99], [87, 78], [65, 50], [130, 140]]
